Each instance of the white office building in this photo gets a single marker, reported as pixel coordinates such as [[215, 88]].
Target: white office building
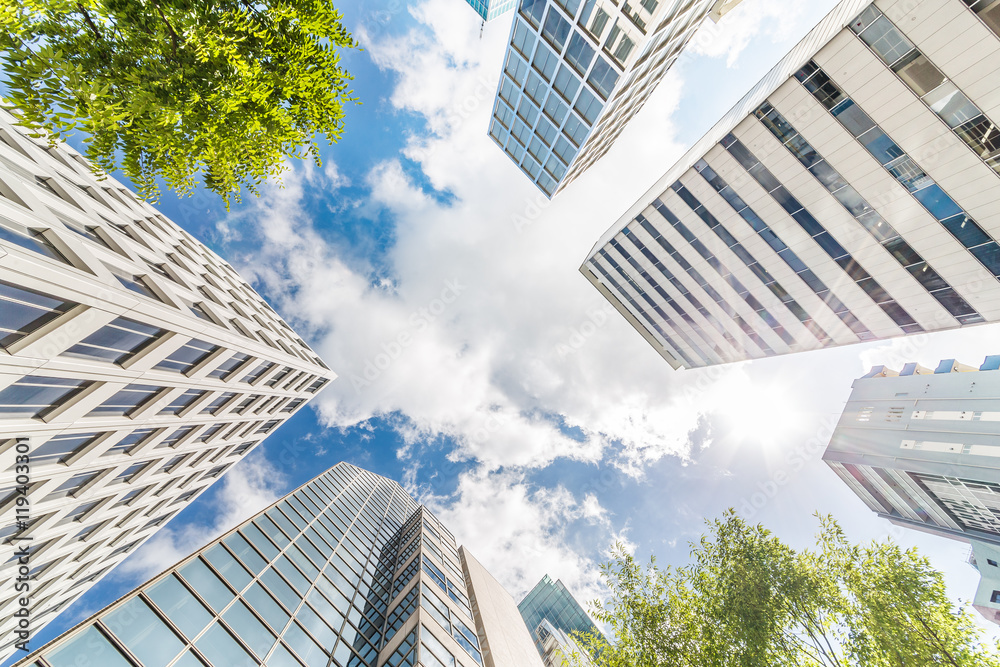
[[852, 195], [491, 9], [577, 71], [921, 448], [136, 367]]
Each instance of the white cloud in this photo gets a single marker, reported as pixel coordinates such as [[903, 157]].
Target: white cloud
[[250, 486], [752, 19]]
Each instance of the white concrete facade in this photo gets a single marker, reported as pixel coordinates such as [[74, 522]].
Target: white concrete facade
[[833, 204], [136, 367]]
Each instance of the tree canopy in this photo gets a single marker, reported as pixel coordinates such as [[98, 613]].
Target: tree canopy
[[748, 600], [175, 88]]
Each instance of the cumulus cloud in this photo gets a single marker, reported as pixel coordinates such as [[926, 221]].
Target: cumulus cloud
[[250, 486], [751, 19]]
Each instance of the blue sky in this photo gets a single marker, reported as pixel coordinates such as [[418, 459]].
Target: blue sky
[[500, 388]]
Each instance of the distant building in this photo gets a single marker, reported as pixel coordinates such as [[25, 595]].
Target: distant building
[[921, 448], [850, 196], [557, 648], [491, 9], [345, 571], [576, 72], [552, 615], [136, 368]]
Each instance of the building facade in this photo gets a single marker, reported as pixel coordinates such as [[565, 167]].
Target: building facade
[[491, 9], [850, 196], [577, 71], [558, 649], [920, 447], [552, 615], [136, 367], [346, 571]]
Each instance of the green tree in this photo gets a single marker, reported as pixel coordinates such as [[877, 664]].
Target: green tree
[[748, 600], [173, 88]]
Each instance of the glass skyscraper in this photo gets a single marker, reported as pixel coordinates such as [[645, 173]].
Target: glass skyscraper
[[490, 9], [550, 610], [346, 571]]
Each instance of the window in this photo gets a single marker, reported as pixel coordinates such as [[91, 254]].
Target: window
[[58, 448], [178, 404], [580, 53], [886, 40], [576, 130], [77, 513], [116, 342], [32, 240], [532, 10], [315, 386], [137, 284], [603, 78], [129, 473], [587, 106], [215, 472], [172, 463], [72, 485], [226, 368], [89, 646], [555, 109], [545, 62], [566, 83], [556, 30], [180, 606], [989, 12], [130, 496], [594, 19], [268, 426], [258, 372], [127, 444], [292, 405], [127, 401], [25, 311], [216, 405], [516, 68], [619, 44], [185, 359], [527, 111], [210, 432], [523, 39], [34, 396], [199, 310], [176, 437]]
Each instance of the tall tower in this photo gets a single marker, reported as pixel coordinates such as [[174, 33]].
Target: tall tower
[[345, 571], [577, 71], [849, 196], [920, 448], [552, 615], [136, 367], [491, 9]]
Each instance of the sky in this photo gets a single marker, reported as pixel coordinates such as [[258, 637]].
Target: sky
[[479, 368]]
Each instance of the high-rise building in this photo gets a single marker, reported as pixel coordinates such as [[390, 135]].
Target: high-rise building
[[849, 196], [577, 71], [346, 571], [491, 9], [920, 448], [552, 615], [559, 649], [136, 367]]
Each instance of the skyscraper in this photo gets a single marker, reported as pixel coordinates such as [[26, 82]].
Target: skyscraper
[[136, 367], [552, 615], [346, 571], [491, 9], [849, 196], [577, 71], [920, 448]]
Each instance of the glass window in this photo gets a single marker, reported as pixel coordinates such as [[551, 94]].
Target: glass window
[[24, 311], [281, 590], [886, 40], [587, 106], [208, 585], [216, 405], [257, 372], [269, 528], [282, 657], [292, 575], [316, 626], [919, 73], [222, 650], [187, 357], [527, 111], [60, 447], [545, 62], [555, 30], [532, 10], [253, 633], [881, 146], [523, 39], [963, 228], [34, 396], [89, 646], [516, 68], [174, 438], [130, 441], [935, 200], [178, 404], [223, 371], [580, 53], [566, 83], [265, 605], [189, 659], [116, 342], [824, 90], [127, 400], [304, 646], [981, 135], [851, 200], [439, 655], [228, 567], [128, 473], [948, 102], [137, 284], [142, 632], [556, 110], [245, 553], [32, 240], [594, 19], [603, 78], [854, 119]]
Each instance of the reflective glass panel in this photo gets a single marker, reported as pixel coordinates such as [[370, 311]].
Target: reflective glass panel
[[143, 633], [222, 650], [180, 606], [89, 647], [249, 629]]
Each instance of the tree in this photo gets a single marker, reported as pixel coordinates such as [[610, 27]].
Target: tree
[[173, 88], [748, 600]]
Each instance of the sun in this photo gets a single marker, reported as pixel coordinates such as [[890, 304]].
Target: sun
[[758, 412]]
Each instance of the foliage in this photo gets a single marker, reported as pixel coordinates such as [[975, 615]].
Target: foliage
[[226, 88], [748, 600]]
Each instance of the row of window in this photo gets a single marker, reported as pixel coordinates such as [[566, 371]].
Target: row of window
[[902, 167], [870, 219], [940, 94]]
